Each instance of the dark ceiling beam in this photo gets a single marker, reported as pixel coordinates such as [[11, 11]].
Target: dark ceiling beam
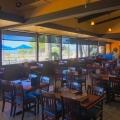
[[69, 29], [101, 22], [95, 7], [113, 36], [11, 17], [89, 17]]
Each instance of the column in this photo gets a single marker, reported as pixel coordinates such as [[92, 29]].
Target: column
[[0, 48], [37, 47], [77, 48]]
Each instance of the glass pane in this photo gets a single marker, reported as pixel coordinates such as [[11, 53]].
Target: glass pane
[[68, 49], [93, 50], [18, 51], [55, 46], [44, 48], [101, 49]]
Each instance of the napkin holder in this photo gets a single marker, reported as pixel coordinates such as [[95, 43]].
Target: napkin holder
[[35, 81]]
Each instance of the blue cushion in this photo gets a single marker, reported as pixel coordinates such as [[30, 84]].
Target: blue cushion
[[35, 93], [7, 96], [59, 109], [26, 97]]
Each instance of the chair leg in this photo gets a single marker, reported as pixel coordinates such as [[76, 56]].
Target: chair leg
[[14, 111], [11, 108], [23, 113], [38, 106], [35, 107], [3, 106]]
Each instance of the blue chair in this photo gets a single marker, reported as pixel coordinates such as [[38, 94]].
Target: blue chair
[[21, 99], [50, 108], [37, 92], [7, 94]]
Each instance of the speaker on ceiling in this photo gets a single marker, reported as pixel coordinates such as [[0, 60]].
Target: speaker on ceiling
[[18, 4]]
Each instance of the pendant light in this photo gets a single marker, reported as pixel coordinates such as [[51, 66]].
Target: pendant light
[[109, 29], [92, 22]]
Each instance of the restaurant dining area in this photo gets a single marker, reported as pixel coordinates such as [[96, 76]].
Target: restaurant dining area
[[60, 60]]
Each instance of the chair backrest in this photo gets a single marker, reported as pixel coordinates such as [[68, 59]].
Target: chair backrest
[[97, 80], [39, 65], [45, 79], [2, 70], [7, 88], [73, 85], [18, 91], [48, 101], [70, 76], [76, 86], [71, 109], [95, 90], [58, 74], [114, 83], [71, 68]]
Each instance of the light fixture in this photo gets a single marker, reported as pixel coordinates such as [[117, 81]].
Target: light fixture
[[41, 28], [92, 22], [109, 29]]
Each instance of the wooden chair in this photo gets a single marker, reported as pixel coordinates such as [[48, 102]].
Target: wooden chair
[[71, 68], [71, 110], [60, 76], [7, 94], [97, 110], [114, 87], [50, 109], [73, 85], [23, 100], [37, 93]]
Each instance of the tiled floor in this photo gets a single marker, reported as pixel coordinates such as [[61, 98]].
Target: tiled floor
[[109, 112]]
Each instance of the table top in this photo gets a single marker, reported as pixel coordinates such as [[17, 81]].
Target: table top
[[92, 99], [106, 77], [75, 72], [27, 85]]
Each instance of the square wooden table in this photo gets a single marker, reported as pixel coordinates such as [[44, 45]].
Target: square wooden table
[[92, 99]]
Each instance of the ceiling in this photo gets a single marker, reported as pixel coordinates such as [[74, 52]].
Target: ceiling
[[60, 18]]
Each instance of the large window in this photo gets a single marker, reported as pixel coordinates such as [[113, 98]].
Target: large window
[[49, 47], [17, 48], [68, 48]]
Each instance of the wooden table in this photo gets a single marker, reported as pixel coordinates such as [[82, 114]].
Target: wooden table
[[76, 72], [92, 99], [27, 85], [106, 77]]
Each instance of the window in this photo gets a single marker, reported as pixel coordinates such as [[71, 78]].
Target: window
[[68, 48], [83, 51], [17, 48], [93, 50], [55, 46], [83, 48], [49, 47]]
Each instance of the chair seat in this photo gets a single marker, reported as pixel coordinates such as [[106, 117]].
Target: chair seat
[[59, 110], [7, 96], [93, 112], [35, 93], [80, 80], [26, 98]]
